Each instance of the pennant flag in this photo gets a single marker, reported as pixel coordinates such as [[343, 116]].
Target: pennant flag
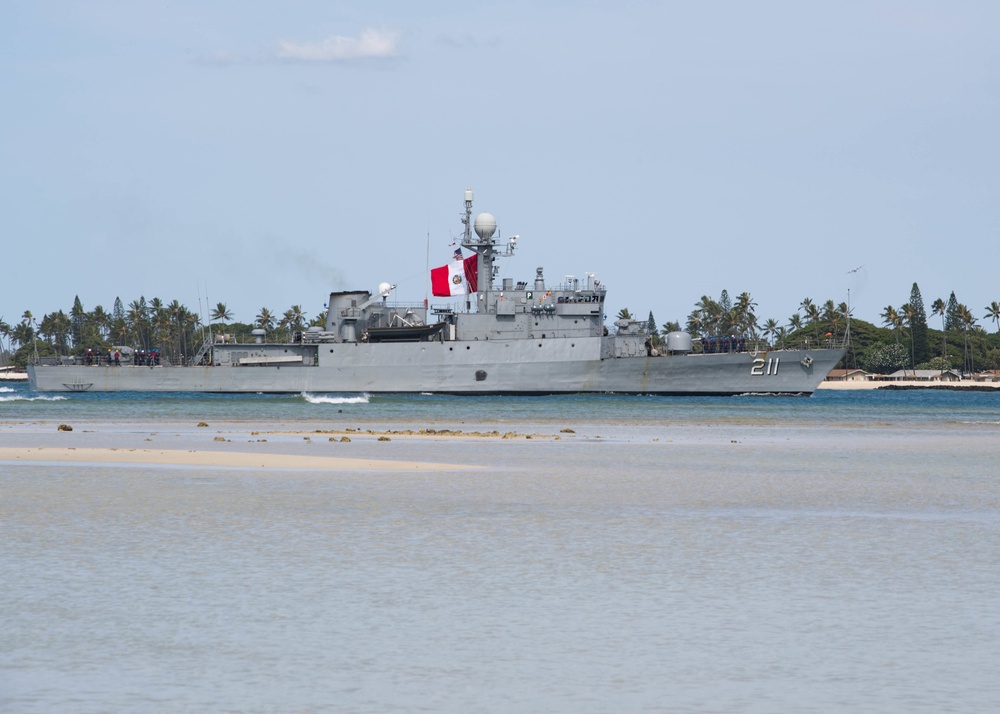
[[458, 277]]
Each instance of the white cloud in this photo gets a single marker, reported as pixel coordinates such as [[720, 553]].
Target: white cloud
[[372, 43]]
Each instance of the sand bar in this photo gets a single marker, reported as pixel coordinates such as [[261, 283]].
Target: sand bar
[[233, 459], [965, 384]]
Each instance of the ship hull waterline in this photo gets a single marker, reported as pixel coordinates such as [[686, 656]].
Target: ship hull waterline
[[421, 368]]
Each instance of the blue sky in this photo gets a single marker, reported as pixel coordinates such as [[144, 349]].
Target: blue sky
[[264, 154]]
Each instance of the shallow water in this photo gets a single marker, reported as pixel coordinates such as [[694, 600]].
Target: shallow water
[[824, 407], [829, 554]]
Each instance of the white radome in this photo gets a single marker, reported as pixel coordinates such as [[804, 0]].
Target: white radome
[[485, 225]]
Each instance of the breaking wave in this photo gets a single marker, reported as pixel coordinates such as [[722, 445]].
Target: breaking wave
[[21, 398], [325, 399]]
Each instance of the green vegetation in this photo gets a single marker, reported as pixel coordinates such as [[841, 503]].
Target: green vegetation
[[173, 329], [904, 341]]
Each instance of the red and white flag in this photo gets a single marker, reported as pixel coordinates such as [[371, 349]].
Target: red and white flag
[[456, 278]]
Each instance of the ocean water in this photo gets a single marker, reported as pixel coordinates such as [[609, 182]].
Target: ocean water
[[835, 553], [856, 408]]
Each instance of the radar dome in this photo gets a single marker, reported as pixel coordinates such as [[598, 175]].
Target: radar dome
[[485, 225], [384, 289]]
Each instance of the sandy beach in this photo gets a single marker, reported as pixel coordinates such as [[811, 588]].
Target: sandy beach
[[234, 459], [908, 384]]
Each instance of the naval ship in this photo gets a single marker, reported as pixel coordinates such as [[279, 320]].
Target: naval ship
[[524, 338]]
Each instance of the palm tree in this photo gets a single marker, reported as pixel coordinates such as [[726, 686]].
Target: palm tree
[[22, 333], [695, 324], [938, 307], [4, 334], [221, 313], [993, 313], [891, 318], [161, 318], [841, 311], [319, 320], [967, 322], [138, 319], [27, 330], [57, 327], [296, 318], [770, 330], [812, 314], [265, 320], [746, 319], [706, 318], [97, 321], [182, 324], [624, 314], [156, 309], [175, 314], [285, 323], [795, 323], [189, 323], [830, 317]]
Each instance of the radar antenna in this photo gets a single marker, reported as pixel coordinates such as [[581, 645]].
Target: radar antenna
[[467, 220]]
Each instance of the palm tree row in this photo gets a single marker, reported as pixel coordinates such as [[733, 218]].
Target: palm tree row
[[955, 318], [292, 320], [21, 333], [171, 328], [960, 317], [829, 320], [723, 317]]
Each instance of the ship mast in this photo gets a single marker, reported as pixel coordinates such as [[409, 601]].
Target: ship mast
[[485, 248], [482, 246]]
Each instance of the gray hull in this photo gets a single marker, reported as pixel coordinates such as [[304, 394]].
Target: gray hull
[[521, 367]]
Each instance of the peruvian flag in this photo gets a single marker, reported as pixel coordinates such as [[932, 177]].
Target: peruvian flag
[[457, 278]]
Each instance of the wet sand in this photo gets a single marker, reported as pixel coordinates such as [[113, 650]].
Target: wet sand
[[125, 455], [179, 445]]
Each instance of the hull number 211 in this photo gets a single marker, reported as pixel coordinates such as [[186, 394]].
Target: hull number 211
[[761, 367]]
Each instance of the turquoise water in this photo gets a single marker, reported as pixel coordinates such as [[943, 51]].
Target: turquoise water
[[835, 553], [824, 407]]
